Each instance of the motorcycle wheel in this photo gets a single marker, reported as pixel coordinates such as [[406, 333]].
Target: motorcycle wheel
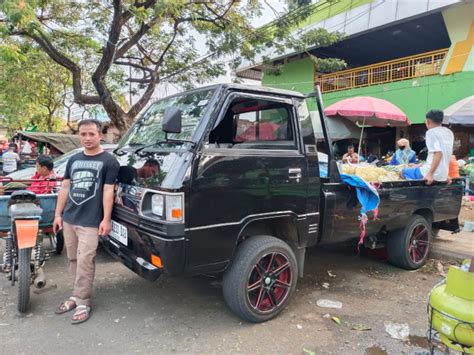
[[24, 279]]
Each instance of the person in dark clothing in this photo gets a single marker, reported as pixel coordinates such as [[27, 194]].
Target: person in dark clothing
[[83, 211]]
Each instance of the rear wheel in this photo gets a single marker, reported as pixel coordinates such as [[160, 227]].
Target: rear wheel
[[24, 279], [261, 280], [408, 248]]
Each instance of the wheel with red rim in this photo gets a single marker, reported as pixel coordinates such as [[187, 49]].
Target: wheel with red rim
[[408, 248], [261, 279]]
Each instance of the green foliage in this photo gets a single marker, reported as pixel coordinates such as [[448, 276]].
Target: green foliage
[[109, 44], [31, 88], [328, 65]]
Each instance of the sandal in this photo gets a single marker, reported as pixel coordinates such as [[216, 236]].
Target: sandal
[[66, 306], [80, 310]]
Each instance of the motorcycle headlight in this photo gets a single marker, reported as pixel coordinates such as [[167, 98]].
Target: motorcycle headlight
[[174, 208], [157, 204]]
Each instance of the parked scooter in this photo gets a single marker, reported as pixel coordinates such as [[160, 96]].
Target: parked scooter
[[24, 257]]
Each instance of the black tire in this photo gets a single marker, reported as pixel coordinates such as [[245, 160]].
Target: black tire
[[408, 248], [59, 237], [24, 279], [274, 286]]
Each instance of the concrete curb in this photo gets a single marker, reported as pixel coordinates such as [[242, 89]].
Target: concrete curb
[[435, 253]]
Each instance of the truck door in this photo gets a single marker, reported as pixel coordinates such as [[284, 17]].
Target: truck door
[[251, 167]]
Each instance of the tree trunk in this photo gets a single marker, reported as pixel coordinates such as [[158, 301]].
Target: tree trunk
[[50, 122]]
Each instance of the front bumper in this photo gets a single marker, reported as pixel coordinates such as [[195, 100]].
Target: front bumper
[[145, 238]]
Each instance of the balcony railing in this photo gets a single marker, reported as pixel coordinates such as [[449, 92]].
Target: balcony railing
[[386, 72]]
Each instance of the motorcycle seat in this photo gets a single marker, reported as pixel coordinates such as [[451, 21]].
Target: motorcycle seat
[[25, 210], [22, 194]]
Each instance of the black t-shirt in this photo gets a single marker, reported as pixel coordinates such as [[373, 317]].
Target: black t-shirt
[[88, 174]]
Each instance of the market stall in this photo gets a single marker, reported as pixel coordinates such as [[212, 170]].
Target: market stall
[[368, 111]]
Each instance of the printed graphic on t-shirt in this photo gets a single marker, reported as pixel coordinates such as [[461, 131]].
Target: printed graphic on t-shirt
[[84, 180]]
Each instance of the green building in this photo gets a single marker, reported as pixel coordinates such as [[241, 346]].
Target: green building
[[416, 54]]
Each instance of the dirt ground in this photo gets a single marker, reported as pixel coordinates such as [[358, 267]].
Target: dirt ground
[[188, 315]]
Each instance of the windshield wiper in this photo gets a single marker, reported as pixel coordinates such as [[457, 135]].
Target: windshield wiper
[[182, 141], [126, 148]]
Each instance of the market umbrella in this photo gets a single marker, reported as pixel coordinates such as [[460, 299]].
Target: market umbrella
[[461, 112], [368, 111], [338, 129]]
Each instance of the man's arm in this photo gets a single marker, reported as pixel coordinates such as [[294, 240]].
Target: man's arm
[[356, 158], [437, 156], [60, 204], [107, 202]]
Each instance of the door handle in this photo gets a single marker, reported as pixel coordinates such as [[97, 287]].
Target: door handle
[[295, 174]]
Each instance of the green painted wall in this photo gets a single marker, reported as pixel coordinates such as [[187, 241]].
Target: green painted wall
[[297, 76], [415, 97], [325, 10]]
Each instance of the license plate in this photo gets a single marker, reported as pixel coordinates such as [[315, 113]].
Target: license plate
[[119, 232]]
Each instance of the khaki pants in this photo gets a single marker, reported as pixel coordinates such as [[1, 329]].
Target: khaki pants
[[81, 245]]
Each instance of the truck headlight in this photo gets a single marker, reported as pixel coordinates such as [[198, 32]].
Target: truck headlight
[[174, 208], [157, 204]]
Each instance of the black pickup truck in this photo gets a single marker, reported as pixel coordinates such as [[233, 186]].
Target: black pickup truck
[[225, 179]]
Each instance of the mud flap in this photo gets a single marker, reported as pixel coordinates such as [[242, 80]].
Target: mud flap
[[26, 232], [448, 225]]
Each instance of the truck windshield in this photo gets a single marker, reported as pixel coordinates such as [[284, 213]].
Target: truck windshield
[[148, 128]]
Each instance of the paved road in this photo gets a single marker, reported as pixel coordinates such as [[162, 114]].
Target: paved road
[[189, 314]]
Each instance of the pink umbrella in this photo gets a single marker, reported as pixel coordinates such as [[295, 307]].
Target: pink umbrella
[[368, 111]]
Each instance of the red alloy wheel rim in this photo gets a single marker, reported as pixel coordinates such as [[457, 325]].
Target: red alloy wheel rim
[[269, 283], [419, 243]]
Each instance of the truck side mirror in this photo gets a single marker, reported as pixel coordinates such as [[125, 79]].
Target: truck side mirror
[[171, 120]]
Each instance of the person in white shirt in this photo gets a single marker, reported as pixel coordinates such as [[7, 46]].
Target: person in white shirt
[[10, 160], [439, 141], [26, 150]]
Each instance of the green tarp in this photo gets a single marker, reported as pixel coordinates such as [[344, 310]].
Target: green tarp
[[62, 142]]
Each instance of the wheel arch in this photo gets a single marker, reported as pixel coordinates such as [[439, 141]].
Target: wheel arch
[[283, 227], [426, 213]]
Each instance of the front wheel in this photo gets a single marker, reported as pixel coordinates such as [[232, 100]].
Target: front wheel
[[261, 279], [408, 247], [24, 279]]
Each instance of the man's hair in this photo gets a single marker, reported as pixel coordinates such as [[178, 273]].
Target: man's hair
[[12, 146], [152, 162], [46, 161], [350, 146], [90, 122], [436, 116]]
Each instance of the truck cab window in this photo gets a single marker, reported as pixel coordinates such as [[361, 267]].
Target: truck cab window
[[255, 124]]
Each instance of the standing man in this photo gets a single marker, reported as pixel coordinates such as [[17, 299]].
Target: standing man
[[10, 160], [439, 142], [84, 211]]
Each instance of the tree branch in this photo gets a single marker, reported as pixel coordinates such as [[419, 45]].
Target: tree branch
[[67, 63], [138, 80], [108, 54], [135, 38], [140, 104], [134, 65]]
